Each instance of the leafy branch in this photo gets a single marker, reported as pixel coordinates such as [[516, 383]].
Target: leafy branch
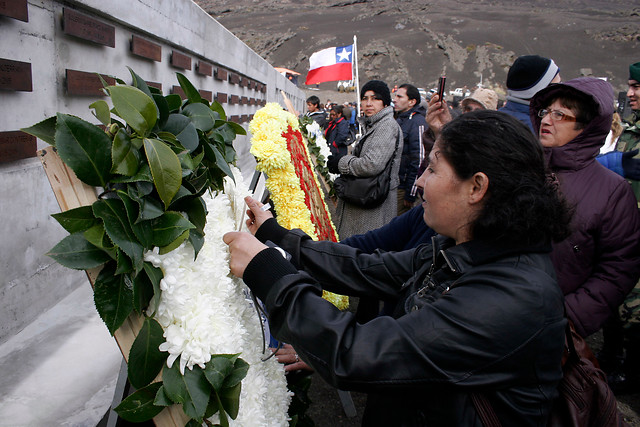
[[153, 157]]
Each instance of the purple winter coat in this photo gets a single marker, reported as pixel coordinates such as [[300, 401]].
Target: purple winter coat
[[599, 264]]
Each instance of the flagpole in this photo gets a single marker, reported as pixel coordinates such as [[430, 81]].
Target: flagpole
[[355, 63]]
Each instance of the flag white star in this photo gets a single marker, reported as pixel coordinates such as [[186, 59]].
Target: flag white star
[[344, 55]]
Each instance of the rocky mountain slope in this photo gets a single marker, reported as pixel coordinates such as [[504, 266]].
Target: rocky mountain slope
[[415, 41]]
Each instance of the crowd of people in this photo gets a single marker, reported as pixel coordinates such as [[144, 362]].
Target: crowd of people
[[500, 225]]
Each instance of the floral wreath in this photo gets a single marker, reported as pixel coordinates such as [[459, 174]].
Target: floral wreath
[[278, 147]]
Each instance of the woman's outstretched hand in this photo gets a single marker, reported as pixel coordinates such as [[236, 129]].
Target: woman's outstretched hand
[[257, 216], [242, 247]]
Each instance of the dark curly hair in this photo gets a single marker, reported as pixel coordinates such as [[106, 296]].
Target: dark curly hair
[[524, 204]]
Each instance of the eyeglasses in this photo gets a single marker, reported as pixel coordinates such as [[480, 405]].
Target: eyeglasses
[[556, 115]]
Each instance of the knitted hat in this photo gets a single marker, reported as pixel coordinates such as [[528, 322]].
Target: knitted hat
[[528, 75], [485, 97], [380, 88], [634, 72]]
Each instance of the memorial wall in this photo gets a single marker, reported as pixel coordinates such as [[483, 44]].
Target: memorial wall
[[50, 57]]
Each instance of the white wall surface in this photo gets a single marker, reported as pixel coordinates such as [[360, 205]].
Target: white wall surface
[[30, 282]]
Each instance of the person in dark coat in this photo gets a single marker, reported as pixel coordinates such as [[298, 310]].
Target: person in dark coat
[[410, 115], [480, 310], [315, 111], [337, 131], [599, 264]]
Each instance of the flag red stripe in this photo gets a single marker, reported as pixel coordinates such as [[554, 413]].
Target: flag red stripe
[[339, 71]]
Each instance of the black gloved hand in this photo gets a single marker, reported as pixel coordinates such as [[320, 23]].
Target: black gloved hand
[[332, 164], [631, 166]]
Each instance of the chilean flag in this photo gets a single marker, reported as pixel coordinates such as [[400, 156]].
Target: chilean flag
[[333, 63]]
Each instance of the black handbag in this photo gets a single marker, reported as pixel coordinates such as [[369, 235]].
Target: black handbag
[[367, 192]]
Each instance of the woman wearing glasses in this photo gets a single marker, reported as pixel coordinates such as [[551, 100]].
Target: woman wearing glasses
[[600, 262]]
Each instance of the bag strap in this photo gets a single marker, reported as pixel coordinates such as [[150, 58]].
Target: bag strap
[[485, 410], [358, 149]]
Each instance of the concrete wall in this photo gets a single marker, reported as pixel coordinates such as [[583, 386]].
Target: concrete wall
[[29, 281]]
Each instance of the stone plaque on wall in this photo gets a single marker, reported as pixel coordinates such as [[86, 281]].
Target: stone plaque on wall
[[235, 119], [244, 100], [146, 49], [221, 97], [178, 90], [16, 9], [244, 118], [180, 60], [259, 87], [221, 74], [16, 145], [15, 75], [263, 89], [234, 78], [204, 69], [252, 101], [206, 94], [235, 99], [88, 28], [244, 82], [84, 83], [252, 84]]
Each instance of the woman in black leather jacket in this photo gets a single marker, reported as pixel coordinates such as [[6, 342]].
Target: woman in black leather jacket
[[479, 311]]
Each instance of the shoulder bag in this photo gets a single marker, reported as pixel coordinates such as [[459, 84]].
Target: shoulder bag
[[368, 192], [584, 400]]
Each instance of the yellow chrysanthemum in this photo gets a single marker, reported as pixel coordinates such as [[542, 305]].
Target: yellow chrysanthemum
[[269, 147]]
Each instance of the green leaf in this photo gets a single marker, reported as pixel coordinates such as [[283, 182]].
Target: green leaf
[[197, 241], [192, 389], [45, 130], [155, 275], [96, 236], [240, 369], [163, 108], [101, 112], [74, 251], [150, 208], [200, 115], [141, 229], [217, 107], [143, 292], [85, 148], [222, 164], [124, 263], [230, 399], [173, 245], [239, 130], [113, 297], [118, 228], [165, 169], [196, 210], [135, 107], [139, 406], [173, 101], [162, 399], [224, 422], [125, 157], [185, 131], [77, 219], [169, 227], [192, 93], [218, 368], [145, 360], [139, 82]]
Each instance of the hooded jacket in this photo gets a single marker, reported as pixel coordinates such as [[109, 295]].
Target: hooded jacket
[[478, 317], [413, 124], [599, 264]]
